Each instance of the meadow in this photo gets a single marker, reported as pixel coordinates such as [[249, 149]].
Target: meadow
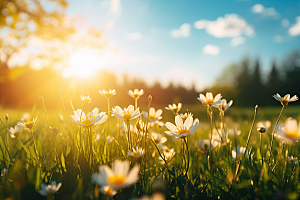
[[220, 152]]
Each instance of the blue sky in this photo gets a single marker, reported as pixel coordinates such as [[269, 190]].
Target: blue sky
[[190, 41]]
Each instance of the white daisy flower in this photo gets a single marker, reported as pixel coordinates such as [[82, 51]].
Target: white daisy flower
[[286, 99], [185, 115], [27, 124], [209, 99], [15, 132], [110, 139], [239, 153], [117, 178], [231, 132], [136, 93], [158, 138], [49, 190], [289, 132], [107, 93], [92, 118], [222, 105], [181, 129], [153, 116], [137, 153], [167, 156], [86, 99], [204, 145], [127, 114], [174, 108]]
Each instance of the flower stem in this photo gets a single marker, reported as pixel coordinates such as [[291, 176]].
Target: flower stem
[[249, 135], [261, 151], [273, 136], [187, 148]]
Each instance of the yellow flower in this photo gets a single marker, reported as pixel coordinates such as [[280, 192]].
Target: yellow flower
[[181, 129], [119, 177], [286, 99], [27, 124], [174, 108], [86, 99], [137, 153], [127, 114], [209, 99], [153, 116], [92, 118], [107, 93], [289, 132], [136, 93]]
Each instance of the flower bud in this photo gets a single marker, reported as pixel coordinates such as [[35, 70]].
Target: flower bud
[[6, 117], [261, 129]]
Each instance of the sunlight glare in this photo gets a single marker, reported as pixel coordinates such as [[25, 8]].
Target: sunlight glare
[[83, 63]]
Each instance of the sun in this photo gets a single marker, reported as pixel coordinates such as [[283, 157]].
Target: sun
[[83, 63]]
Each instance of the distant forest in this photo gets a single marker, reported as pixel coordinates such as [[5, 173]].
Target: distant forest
[[243, 82]]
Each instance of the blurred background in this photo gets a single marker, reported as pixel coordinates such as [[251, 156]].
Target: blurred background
[[174, 50]]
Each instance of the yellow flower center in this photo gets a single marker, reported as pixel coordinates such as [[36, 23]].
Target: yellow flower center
[[284, 101], [86, 121], [157, 140], [167, 150], [185, 116], [86, 99], [136, 153], [152, 116], [136, 95], [209, 101], [117, 179], [132, 131], [127, 115], [29, 124], [182, 130], [293, 134]]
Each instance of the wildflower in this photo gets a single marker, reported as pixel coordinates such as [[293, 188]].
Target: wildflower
[[27, 124], [289, 131], [165, 149], [110, 139], [153, 116], [159, 124], [86, 99], [232, 132], [157, 138], [136, 93], [216, 137], [204, 145], [26, 117], [292, 159], [167, 156], [117, 178], [15, 132], [222, 105], [108, 191], [186, 115], [238, 153], [107, 93], [6, 117], [209, 100], [49, 190], [137, 153], [262, 126], [286, 99], [174, 108], [128, 114], [92, 118], [181, 129]]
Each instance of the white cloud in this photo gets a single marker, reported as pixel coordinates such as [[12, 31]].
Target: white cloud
[[231, 25], [183, 31], [257, 8], [134, 36], [211, 50], [237, 41], [277, 38], [295, 29], [285, 23], [260, 9]]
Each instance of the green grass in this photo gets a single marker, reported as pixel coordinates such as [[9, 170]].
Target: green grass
[[221, 177]]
